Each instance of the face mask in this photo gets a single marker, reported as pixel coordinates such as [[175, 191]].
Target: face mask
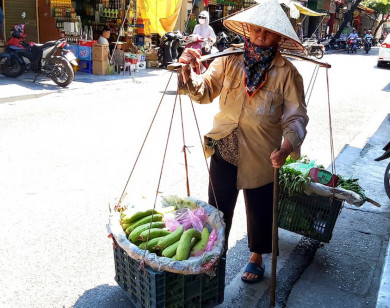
[[202, 21]]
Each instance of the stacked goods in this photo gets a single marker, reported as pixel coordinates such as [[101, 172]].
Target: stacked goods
[[152, 58], [84, 54], [100, 59], [185, 236]]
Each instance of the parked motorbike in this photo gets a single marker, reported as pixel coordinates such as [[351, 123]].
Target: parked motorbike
[[384, 156], [352, 45], [223, 41], [169, 48], [368, 44], [50, 59], [313, 48]]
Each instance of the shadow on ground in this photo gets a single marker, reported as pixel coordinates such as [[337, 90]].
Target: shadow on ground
[[103, 296], [45, 83]]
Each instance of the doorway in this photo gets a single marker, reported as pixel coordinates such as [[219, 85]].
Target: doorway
[[21, 12]]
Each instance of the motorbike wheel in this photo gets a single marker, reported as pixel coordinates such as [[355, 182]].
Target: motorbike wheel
[[319, 53], [12, 68], [387, 180], [62, 73], [160, 55]]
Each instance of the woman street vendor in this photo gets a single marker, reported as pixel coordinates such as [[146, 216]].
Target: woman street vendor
[[262, 120]]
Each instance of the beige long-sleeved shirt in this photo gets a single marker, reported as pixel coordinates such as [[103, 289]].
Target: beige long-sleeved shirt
[[277, 110]]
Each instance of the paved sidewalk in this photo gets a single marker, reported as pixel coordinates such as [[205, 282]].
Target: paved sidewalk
[[13, 89], [347, 272]]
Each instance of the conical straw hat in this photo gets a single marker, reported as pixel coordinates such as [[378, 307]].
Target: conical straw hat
[[269, 15]]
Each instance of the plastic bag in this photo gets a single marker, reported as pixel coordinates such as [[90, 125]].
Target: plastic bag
[[339, 193], [197, 219], [212, 238], [302, 167], [171, 223], [188, 219]]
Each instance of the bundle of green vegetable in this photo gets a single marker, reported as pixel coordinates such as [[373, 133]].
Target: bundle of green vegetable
[[351, 184], [294, 181]]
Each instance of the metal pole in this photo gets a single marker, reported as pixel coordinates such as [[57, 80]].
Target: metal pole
[[274, 236]]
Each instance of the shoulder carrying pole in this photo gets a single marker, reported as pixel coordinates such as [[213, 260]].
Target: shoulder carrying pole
[[239, 51], [274, 236]]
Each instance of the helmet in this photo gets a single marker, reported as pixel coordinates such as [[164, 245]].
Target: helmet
[[369, 31], [353, 30], [203, 14], [18, 31]]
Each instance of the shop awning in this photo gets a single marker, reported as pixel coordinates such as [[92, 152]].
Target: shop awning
[[226, 2], [366, 9], [306, 11]]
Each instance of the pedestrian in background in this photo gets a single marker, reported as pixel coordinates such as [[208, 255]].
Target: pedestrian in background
[[300, 32], [262, 108]]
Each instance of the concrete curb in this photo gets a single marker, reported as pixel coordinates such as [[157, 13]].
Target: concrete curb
[[383, 300]]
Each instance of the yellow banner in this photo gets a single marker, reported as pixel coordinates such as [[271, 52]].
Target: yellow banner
[[162, 14]]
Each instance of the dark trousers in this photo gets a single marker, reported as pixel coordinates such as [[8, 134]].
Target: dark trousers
[[258, 204]]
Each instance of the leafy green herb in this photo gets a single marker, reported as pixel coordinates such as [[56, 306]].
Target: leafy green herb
[[292, 181], [351, 184]]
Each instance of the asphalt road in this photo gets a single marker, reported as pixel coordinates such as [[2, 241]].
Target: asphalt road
[[66, 156]]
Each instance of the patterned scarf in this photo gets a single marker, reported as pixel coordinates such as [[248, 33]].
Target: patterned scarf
[[257, 61]]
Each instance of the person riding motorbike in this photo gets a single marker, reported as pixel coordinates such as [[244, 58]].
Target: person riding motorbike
[[368, 38], [353, 35], [368, 35], [204, 30]]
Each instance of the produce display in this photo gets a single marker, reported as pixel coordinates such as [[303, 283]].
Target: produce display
[[149, 231], [294, 178]]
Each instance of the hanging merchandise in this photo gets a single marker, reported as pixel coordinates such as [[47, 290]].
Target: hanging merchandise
[[162, 14]]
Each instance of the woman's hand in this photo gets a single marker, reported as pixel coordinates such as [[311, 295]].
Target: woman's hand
[[278, 157], [189, 56]]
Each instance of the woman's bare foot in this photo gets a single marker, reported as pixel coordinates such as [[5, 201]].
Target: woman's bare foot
[[255, 258]]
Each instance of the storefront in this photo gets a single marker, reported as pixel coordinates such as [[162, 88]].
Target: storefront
[[364, 19], [310, 19], [21, 11]]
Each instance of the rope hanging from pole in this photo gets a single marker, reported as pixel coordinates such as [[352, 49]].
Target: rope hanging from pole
[[140, 151], [333, 162], [311, 84]]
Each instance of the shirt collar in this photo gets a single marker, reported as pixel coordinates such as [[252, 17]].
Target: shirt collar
[[278, 60]]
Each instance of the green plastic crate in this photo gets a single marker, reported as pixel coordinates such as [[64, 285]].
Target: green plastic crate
[[312, 216], [149, 288]]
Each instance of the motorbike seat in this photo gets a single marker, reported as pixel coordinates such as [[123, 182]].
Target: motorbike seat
[[15, 48], [44, 46]]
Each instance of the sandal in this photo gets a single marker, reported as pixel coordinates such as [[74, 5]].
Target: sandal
[[255, 269]]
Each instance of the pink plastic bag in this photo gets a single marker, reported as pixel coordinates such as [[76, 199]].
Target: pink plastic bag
[[197, 218], [171, 223], [212, 238], [188, 219]]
